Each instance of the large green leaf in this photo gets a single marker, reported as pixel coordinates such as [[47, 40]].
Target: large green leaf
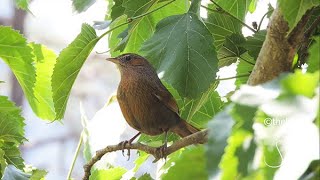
[[110, 174], [293, 10], [182, 50], [199, 111], [68, 66], [32, 64], [11, 132], [18, 55], [139, 30], [231, 50], [117, 9], [220, 129], [3, 163], [237, 8], [221, 26], [11, 122], [44, 63], [12, 155], [307, 83], [82, 5], [190, 165], [314, 56], [240, 151]]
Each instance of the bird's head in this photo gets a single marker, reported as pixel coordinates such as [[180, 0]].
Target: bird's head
[[129, 60]]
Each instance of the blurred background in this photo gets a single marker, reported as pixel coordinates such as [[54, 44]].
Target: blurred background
[[54, 23]]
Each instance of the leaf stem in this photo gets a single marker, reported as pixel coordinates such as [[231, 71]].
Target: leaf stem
[[75, 157], [234, 77], [130, 19], [263, 19], [222, 11], [147, 13]]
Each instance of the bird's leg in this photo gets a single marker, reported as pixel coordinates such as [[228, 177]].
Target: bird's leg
[[123, 144], [163, 148]]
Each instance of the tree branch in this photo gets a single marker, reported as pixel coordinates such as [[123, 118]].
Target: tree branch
[[196, 138], [279, 48]]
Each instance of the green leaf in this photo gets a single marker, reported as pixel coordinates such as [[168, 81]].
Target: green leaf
[[12, 155], [12, 173], [68, 66], [11, 121], [314, 56], [22, 4], [182, 51], [220, 129], [237, 8], [44, 63], [3, 163], [254, 43], [140, 160], [252, 6], [307, 83], [293, 10], [313, 171], [221, 26], [145, 177], [85, 135], [199, 111], [38, 174], [32, 64], [231, 50], [82, 5], [133, 35], [245, 66], [183, 169], [238, 157], [110, 174], [117, 9], [18, 55]]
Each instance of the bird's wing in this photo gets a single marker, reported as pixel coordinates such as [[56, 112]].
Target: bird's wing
[[165, 96]]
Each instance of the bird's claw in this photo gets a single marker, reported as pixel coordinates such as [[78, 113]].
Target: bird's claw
[[123, 145], [163, 151]]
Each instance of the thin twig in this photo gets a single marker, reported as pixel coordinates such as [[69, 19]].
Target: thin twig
[[222, 11], [263, 19], [75, 156], [234, 77], [313, 26], [196, 138]]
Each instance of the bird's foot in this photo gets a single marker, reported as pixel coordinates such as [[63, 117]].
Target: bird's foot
[[163, 151], [123, 144]]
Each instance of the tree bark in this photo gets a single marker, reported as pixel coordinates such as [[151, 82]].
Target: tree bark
[[18, 24], [276, 54]]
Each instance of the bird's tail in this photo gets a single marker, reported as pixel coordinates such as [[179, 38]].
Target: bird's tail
[[184, 129]]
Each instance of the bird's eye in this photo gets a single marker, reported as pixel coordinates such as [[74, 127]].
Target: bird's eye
[[127, 58]]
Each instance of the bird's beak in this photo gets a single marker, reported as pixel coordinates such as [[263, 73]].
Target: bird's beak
[[114, 60]]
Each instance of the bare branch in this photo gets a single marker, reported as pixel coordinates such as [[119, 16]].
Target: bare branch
[[196, 138]]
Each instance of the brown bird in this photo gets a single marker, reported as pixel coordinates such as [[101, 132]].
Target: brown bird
[[145, 102]]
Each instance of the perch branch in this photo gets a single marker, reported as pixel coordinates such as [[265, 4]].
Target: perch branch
[[196, 138]]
